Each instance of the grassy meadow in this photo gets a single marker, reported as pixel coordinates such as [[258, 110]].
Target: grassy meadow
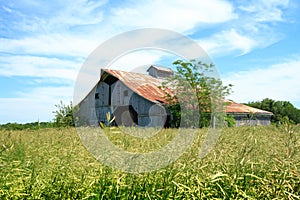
[[247, 162]]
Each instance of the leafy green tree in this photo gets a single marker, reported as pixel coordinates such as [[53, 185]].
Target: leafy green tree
[[64, 115], [281, 110], [196, 92]]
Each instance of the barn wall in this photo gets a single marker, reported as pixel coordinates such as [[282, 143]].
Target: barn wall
[[86, 115], [120, 94], [102, 101], [148, 113], [255, 120], [264, 120]]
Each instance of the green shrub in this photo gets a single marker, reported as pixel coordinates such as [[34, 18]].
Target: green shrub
[[230, 121]]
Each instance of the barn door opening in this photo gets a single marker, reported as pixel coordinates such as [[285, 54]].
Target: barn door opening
[[125, 116]]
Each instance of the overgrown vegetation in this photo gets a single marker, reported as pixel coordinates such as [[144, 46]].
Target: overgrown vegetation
[[247, 163], [280, 109], [230, 121], [64, 115], [196, 94]]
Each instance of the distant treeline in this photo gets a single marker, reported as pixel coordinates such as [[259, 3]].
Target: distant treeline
[[63, 117], [282, 110], [31, 126]]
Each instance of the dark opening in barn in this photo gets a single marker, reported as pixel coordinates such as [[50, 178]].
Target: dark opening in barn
[[125, 116]]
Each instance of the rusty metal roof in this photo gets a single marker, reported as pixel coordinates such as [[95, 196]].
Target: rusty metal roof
[[233, 107], [142, 84], [148, 87]]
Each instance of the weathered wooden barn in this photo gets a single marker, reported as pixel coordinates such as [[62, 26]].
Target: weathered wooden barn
[[246, 115], [135, 99]]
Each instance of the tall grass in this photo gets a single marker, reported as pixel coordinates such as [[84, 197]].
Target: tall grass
[[247, 162]]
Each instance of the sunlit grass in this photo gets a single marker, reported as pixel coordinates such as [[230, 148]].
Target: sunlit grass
[[143, 140], [247, 162]]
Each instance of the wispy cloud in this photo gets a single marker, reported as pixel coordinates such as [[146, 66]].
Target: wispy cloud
[[266, 10], [279, 81], [47, 17], [227, 42], [38, 67], [51, 44], [178, 15], [254, 28]]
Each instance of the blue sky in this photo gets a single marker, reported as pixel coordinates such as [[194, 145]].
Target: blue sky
[[43, 44]]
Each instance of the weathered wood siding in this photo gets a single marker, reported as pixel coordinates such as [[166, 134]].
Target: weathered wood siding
[[102, 101], [86, 115], [148, 113], [254, 120]]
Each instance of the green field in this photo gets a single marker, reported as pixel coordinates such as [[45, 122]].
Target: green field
[[247, 162]]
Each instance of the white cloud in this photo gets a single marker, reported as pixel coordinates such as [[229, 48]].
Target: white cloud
[[39, 67], [78, 28], [52, 44], [178, 15], [227, 42], [279, 82], [48, 94], [47, 17], [266, 10], [80, 12], [254, 28], [6, 9]]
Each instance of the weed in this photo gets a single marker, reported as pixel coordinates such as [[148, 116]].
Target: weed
[[246, 163]]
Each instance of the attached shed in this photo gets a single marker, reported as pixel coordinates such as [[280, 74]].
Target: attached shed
[[246, 115]]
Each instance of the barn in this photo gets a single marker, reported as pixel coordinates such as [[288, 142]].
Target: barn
[[135, 99], [246, 115]]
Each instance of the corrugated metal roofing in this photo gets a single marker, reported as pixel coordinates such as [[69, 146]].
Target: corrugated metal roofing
[[142, 84], [148, 87], [162, 69], [233, 107]]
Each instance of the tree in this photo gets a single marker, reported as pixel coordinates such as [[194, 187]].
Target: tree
[[64, 115], [280, 109], [194, 90]]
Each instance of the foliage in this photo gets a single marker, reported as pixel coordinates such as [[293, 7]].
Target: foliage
[[109, 121], [280, 109], [31, 126], [53, 164], [64, 115], [195, 93], [229, 119]]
